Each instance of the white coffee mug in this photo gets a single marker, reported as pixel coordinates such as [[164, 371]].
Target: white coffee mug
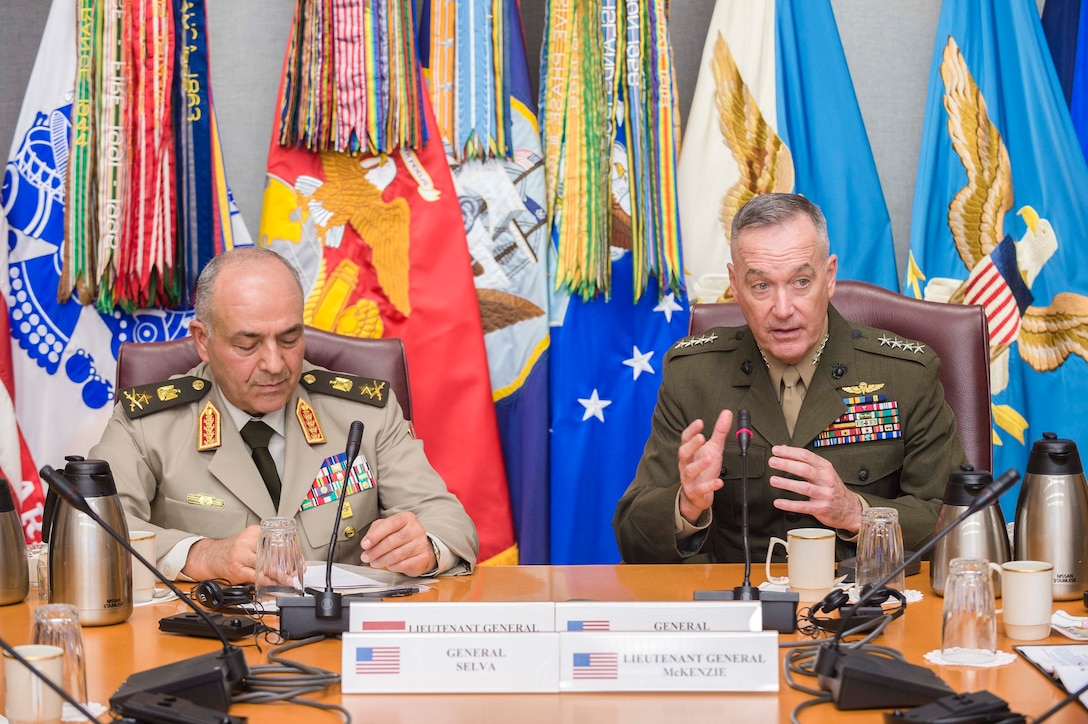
[[1027, 601], [143, 580], [29, 699], [810, 562]]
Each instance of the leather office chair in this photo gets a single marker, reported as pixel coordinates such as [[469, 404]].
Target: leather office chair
[[956, 332], [384, 359]]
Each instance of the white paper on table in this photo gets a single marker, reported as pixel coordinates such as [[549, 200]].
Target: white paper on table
[[1073, 678], [341, 578]]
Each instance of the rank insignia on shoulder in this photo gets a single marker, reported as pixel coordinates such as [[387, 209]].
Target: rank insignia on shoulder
[[903, 344], [365, 389], [695, 341], [144, 400]]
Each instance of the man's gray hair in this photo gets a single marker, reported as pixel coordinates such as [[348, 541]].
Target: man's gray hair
[[775, 209], [205, 283]]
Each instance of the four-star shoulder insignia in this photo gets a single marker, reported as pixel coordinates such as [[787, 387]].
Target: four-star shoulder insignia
[[144, 400], [361, 389], [694, 341], [904, 344]]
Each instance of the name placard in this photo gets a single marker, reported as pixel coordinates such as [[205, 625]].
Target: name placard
[[387, 663], [659, 616], [448, 618], [711, 661]]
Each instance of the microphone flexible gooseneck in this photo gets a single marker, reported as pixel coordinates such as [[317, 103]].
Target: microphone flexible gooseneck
[[858, 680], [71, 495], [206, 680], [987, 496], [329, 604], [47, 681], [745, 591]]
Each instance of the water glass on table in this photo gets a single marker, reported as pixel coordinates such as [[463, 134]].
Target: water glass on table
[[281, 566], [880, 548], [969, 629], [57, 624]]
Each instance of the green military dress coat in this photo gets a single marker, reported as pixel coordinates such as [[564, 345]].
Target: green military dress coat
[[168, 484], [723, 369]]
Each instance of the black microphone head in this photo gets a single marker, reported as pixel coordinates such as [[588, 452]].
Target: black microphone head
[[64, 488], [744, 421], [355, 441]]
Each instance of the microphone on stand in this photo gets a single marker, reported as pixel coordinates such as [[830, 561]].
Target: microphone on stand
[[324, 612], [207, 680], [779, 607], [859, 680], [746, 591]]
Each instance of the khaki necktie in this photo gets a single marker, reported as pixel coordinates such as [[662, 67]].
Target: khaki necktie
[[793, 394], [257, 434]]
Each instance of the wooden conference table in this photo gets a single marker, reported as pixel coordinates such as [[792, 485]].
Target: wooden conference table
[[112, 652]]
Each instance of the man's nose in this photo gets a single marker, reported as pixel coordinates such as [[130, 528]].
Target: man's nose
[[783, 303], [271, 359]]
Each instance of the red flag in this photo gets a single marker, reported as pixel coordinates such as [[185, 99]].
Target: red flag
[[18, 468], [381, 247]]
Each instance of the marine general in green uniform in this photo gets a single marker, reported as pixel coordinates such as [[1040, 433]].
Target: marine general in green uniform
[[843, 417], [183, 469]]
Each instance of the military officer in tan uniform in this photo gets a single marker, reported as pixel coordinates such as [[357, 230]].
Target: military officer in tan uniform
[[183, 469], [843, 417]]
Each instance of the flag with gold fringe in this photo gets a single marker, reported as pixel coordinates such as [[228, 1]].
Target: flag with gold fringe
[[498, 171], [1000, 219], [774, 110], [609, 130], [379, 242], [91, 211]]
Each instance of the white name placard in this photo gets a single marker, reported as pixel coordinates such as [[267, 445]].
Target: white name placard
[[385, 663], [447, 618], [659, 616], [711, 661]]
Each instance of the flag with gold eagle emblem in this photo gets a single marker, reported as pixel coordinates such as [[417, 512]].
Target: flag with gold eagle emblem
[[379, 242], [1000, 220], [774, 110]]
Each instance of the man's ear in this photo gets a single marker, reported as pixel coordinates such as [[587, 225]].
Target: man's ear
[[200, 337], [832, 270]]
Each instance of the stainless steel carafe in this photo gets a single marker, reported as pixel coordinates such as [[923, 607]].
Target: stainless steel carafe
[[14, 573], [1052, 514], [87, 567], [982, 535]]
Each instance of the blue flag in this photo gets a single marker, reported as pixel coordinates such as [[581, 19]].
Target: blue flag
[[1065, 23], [1000, 218], [774, 110], [605, 373]]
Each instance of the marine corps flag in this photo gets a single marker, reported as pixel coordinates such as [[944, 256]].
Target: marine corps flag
[[774, 110], [380, 245], [1000, 218]]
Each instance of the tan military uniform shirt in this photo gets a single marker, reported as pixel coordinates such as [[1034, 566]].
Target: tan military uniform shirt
[[169, 485]]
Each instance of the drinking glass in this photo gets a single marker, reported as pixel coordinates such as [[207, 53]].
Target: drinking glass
[[880, 548], [280, 564], [57, 624], [969, 631]]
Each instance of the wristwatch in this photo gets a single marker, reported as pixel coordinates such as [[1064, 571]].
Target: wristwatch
[[437, 557]]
